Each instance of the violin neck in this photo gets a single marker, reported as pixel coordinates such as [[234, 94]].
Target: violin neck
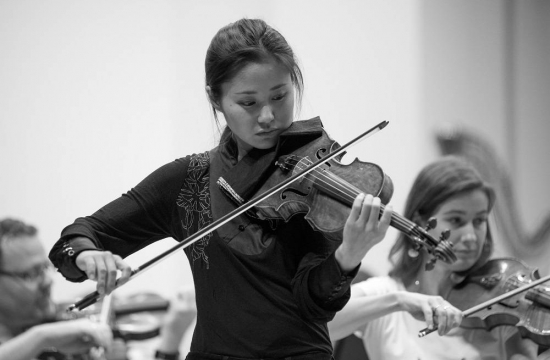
[[345, 192]]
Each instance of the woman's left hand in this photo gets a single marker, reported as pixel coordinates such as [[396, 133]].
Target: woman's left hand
[[364, 228]]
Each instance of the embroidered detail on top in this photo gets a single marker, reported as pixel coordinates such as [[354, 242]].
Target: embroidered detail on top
[[194, 197]]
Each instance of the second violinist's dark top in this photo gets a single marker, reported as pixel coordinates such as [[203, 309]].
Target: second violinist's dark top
[[260, 292]]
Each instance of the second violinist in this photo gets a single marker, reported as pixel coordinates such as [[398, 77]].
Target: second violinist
[[389, 311], [263, 289]]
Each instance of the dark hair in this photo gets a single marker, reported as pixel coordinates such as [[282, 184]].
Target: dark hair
[[436, 183], [243, 42], [10, 228]]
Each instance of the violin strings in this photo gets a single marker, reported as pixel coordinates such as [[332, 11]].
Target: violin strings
[[353, 192], [399, 222]]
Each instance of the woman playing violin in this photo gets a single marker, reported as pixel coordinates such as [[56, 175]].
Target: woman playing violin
[[264, 289], [389, 311]]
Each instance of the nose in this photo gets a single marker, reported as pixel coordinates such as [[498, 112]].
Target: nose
[[467, 233], [468, 237], [266, 115]]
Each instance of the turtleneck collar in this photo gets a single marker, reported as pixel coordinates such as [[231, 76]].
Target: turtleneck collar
[[244, 179]]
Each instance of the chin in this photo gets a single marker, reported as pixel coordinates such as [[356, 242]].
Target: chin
[[460, 266], [265, 145]]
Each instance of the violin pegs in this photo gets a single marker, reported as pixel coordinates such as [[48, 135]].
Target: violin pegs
[[432, 223], [430, 264], [445, 235]]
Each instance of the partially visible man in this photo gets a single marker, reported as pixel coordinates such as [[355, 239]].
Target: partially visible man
[[26, 307]]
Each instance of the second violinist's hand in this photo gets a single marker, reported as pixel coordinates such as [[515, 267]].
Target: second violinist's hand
[[103, 267], [363, 230], [432, 309]]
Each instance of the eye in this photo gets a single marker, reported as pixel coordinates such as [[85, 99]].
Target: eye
[[247, 103], [479, 221], [455, 221], [279, 97]]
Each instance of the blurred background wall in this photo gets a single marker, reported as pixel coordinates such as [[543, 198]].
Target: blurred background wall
[[95, 95]]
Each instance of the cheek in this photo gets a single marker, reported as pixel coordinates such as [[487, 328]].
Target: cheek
[[481, 233], [439, 230]]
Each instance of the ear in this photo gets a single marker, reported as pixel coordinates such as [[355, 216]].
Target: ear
[[212, 99]]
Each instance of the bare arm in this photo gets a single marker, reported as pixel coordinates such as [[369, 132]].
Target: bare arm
[[363, 308], [360, 310]]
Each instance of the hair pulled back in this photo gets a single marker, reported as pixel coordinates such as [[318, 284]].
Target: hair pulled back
[[439, 181], [243, 42]]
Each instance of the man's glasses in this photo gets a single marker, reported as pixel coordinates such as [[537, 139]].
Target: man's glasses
[[33, 274]]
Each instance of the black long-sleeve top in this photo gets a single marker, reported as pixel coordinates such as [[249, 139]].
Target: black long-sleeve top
[[263, 288]]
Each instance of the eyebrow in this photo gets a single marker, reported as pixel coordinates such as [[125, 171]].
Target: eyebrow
[[462, 212], [249, 92]]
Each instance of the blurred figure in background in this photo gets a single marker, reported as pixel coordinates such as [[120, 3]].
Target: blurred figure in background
[[387, 312], [177, 328], [28, 316]]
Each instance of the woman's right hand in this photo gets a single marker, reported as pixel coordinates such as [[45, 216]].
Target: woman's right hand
[[103, 267], [434, 310]]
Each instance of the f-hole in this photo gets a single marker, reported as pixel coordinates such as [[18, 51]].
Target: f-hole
[[320, 154]]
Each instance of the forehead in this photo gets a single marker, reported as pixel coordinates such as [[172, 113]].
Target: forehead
[[474, 201], [21, 253], [258, 77]]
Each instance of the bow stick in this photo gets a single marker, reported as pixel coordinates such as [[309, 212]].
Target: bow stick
[[94, 296]]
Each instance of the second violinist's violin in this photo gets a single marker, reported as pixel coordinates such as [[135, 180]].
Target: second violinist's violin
[[529, 311], [504, 291]]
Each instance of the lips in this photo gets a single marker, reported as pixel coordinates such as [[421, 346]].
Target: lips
[[271, 133], [464, 252]]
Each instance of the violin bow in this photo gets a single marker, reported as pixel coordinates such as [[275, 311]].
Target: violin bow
[[492, 301], [94, 296]]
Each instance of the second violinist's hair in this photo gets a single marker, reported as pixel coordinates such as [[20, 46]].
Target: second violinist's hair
[[435, 184], [244, 42], [12, 228]]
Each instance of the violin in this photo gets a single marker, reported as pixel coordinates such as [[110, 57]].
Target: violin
[[313, 167], [504, 291], [135, 318], [326, 195], [529, 311]]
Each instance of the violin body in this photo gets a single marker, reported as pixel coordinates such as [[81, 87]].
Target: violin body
[[529, 311], [138, 317], [324, 196]]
